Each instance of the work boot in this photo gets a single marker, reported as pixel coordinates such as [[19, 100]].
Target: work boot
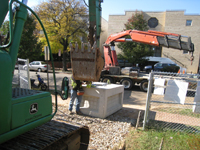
[[79, 112]]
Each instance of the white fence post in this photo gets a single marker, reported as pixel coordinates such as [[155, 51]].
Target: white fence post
[[149, 93], [28, 74], [24, 77]]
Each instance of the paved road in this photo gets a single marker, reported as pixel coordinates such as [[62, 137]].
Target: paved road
[[59, 76], [133, 98]]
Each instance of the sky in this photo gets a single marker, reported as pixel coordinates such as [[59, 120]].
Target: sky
[[118, 7]]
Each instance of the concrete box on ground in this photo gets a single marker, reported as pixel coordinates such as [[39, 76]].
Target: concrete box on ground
[[102, 100]]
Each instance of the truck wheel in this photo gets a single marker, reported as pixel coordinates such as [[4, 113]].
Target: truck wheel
[[144, 85], [105, 79], [127, 83]]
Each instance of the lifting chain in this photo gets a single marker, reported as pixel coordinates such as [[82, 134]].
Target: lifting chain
[[192, 58]]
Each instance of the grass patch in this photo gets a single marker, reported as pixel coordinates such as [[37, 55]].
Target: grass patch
[[180, 111], [151, 139]]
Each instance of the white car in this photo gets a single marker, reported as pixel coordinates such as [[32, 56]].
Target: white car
[[19, 62], [38, 66]]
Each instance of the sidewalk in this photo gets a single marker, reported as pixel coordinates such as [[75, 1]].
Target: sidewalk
[[59, 70]]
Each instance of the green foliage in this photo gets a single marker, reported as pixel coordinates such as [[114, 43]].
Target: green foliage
[[4, 36], [4, 28], [55, 45], [30, 47], [64, 21], [137, 22], [132, 51], [170, 69]]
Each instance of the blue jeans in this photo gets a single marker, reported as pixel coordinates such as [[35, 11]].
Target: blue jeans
[[78, 100]]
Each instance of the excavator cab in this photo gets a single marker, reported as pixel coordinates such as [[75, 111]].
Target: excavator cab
[[23, 110], [20, 108]]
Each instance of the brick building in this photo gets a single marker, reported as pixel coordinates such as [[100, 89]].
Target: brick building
[[168, 21]]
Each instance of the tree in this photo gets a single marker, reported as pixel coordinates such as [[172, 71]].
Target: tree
[[5, 27], [132, 51], [30, 46], [4, 37], [64, 22]]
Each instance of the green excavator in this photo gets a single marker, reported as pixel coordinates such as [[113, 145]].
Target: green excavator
[[25, 114]]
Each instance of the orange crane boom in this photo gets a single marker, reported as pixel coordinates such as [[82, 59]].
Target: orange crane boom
[[154, 38]]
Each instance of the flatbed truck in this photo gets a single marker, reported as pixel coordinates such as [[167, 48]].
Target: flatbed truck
[[128, 79]]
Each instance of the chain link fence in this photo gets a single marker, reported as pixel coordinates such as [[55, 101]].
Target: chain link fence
[[21, 79], [173, 102]]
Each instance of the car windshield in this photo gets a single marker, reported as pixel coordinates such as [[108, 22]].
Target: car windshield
[[164, 65], [172, 64], [33, 63], [158, 65], [120, 61]]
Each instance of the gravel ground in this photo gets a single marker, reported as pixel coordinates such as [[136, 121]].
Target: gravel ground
[[104, 133]]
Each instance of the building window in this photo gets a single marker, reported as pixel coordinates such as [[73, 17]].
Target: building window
[[188, 22], [153, 22], [157, 51]]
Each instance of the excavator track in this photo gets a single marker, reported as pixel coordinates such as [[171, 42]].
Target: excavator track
[[52, 135]]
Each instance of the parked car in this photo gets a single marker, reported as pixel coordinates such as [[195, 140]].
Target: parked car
[[124, 63], [19, 62], [38, 66], [158, 67]]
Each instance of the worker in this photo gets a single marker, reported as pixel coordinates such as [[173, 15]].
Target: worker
[[76, 87]]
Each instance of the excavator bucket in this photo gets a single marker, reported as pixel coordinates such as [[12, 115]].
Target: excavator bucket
[[86, 62]]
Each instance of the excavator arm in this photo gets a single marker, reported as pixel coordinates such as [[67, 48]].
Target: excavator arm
[[154, 38], [87, 61]]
